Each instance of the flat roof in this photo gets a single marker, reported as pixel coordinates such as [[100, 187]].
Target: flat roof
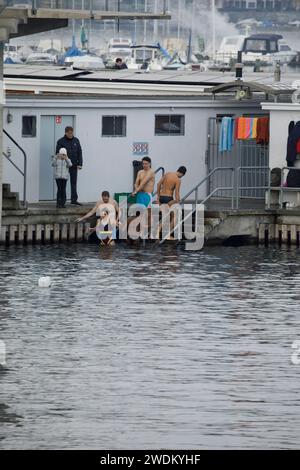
[[185, 77]]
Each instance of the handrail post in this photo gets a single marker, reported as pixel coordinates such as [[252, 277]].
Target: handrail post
[[196, 205], [281, 189], [238, 176], [232, 195]]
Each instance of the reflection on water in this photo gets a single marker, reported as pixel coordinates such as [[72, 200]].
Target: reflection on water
[[149, 348]]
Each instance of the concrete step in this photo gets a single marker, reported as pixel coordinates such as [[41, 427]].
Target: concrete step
[[10, 199], [5, 188]]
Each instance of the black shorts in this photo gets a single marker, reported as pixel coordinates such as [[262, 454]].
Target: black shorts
[[165, 199]]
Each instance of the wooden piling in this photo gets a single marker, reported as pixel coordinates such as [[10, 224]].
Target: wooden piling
[[56, 232], [64, 232], [29, 233]]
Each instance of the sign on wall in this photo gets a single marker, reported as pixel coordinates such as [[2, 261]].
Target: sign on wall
[[58, 119], [140, 149]]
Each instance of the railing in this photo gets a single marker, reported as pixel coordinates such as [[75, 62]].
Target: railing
[[162, 170], [22, 172], [257, 174], [96, 5]]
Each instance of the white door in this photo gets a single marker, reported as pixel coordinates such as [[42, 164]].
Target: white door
[[52, 129]]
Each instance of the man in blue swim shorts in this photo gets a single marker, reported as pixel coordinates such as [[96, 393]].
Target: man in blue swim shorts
[[144, 185]]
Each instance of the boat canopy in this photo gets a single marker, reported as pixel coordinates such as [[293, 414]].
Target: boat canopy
[[262, 43]]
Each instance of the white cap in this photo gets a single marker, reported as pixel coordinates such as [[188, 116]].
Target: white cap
[[63, 152]]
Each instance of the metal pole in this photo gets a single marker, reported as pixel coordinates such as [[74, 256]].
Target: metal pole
[[135, 22], [213, 7], [119, 8], [178, 21], [145, 26], [73, 21], [155, 23]]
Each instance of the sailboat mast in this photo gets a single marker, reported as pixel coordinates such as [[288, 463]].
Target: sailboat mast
[[213, 14]]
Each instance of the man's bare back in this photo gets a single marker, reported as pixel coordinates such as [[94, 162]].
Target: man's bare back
[[169, 184]]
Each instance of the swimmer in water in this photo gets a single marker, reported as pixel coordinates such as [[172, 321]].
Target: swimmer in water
[[106, 227]]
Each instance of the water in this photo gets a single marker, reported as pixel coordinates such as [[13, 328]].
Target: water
[[149, 349]]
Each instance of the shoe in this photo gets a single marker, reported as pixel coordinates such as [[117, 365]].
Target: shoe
[[76, 203], [62, 207]]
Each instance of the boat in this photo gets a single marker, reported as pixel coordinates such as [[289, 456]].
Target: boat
[[229, 48], [117, 48], [268, 49], [11, 55], [41, 58], [146, 57], [85, 62]]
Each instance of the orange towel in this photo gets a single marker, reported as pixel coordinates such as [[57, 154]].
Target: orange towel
[[242, 128], [254, 129]]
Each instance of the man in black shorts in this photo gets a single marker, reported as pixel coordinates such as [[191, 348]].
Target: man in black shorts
[[168, 185]]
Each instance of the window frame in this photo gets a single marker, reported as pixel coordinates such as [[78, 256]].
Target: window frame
[[34, 127], [170, 134], [114, 116]]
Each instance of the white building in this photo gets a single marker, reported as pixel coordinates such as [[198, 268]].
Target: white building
[[171, 113]]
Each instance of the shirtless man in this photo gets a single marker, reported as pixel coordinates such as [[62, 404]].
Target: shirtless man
[[144, 185], [169, 184], [106, 201]]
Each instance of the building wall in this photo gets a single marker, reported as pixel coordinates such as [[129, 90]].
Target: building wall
[[280, 117], [108, 160]]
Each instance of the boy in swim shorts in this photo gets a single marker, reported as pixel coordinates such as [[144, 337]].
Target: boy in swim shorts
[[144, 185]]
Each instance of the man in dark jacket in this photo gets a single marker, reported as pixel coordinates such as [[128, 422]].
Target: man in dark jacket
[[74, 151]]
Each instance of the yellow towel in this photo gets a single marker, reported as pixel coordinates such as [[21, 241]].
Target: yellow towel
[[254, 130]]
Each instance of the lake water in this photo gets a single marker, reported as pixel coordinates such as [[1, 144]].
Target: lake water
[[149, 348]]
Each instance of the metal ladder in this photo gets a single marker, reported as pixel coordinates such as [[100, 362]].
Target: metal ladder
[[195, 191]]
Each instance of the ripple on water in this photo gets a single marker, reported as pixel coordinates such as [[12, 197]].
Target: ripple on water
[[149, 348]]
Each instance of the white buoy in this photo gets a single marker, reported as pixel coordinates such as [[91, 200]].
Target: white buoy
[[45, 281]]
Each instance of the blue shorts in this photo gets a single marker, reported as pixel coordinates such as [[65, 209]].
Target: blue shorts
[[145, 199]]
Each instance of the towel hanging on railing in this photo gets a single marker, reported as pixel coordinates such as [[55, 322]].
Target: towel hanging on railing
[[226, 134], [263, 131], [246, 128], [243, 128]]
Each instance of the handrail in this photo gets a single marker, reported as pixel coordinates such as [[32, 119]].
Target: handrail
[[24, 172], [219, 168], [13, 163], [161, 168], [195, 190]]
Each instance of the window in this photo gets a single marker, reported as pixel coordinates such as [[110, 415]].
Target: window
[[169, 124], [29, 126], [113, 126]]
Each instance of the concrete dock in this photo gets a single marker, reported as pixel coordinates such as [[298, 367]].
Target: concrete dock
[[44, 223]]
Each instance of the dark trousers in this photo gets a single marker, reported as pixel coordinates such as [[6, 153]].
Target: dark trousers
[[73, 179], [61, 192]]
